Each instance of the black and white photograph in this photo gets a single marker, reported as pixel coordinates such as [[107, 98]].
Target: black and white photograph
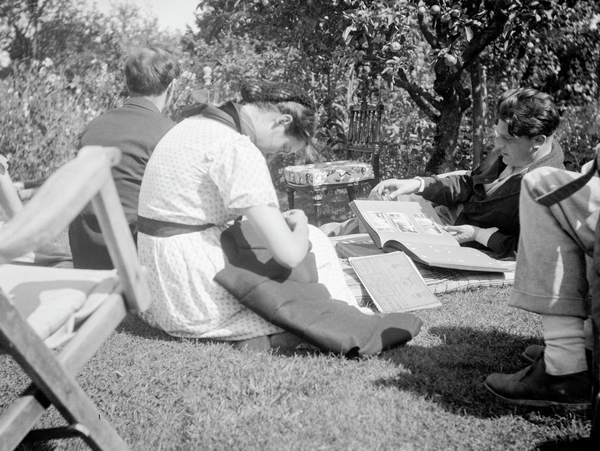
[[182, 187]]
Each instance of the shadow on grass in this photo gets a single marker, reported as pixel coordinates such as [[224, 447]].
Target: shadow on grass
[[452, 374], [134, 325], [584, 444]]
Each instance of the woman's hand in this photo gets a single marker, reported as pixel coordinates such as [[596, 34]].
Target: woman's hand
[[392, 188], [285, 234], [295, 218], [462, 233]]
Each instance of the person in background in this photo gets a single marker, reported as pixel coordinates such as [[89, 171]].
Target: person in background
[[205, 172], [553, 274], [135, 128], [483, 206]]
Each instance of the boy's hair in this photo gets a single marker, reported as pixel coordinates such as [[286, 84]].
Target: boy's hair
[[528, 112], [286, 98], [150, 70]]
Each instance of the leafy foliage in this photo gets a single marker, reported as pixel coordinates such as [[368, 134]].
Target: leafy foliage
[[304, 36], [65, 69], [338, 49], [579, 134], [554, 47], [40, 115], [459, 35]]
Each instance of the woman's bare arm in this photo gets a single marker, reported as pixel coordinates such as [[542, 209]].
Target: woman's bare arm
[[285, 236]]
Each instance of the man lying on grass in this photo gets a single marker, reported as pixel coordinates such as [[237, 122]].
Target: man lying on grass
[[483, 205]]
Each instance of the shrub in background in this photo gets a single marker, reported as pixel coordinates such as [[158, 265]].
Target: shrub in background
[[579, 134], [42, 113]]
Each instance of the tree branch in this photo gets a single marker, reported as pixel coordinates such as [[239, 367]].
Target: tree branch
[[489, 34], [424, 100], [428, 96], [427, 32]]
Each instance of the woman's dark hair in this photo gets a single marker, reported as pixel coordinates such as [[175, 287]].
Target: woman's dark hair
[[150, 70], [528, 112], [286, 98]]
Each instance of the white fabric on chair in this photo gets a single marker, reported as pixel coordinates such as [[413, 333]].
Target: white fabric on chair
[[55, 300]]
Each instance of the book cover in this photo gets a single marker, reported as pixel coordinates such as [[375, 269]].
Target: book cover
[[355, 245], [393, 282], [416, 229]]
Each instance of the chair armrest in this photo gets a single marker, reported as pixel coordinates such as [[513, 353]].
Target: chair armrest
[[9, 196]]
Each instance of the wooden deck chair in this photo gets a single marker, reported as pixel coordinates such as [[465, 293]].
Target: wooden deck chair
[[595, 317], [9, 197], [84, 179]]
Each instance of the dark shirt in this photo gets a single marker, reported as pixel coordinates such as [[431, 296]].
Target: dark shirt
[[135, 128], [499, 209]]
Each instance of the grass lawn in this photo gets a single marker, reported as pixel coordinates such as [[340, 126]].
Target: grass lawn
[[166, 393]]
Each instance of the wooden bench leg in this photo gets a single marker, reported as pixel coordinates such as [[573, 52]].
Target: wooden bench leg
[[317, 198], [290, 196], [351, 190]]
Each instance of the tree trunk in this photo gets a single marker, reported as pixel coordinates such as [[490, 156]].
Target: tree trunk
[[446, 135], [479, 94]]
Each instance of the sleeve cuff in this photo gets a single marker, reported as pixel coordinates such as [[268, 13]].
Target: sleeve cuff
[[421, 184], [482, 236]]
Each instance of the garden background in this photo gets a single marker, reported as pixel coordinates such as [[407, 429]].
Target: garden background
[[438, 67]]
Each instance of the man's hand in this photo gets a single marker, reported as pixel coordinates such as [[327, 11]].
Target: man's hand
[[462, 233], [392, 188], [294, 218]]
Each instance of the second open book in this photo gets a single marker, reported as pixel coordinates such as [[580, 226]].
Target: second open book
[[416, 229]]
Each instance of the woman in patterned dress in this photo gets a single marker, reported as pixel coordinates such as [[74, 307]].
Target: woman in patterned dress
[[205, 173]]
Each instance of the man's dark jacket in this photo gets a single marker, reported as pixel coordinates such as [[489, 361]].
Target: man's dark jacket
[[135, 128], [499, 209]]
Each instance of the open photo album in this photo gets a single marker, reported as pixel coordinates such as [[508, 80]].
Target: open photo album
[[416, 229]]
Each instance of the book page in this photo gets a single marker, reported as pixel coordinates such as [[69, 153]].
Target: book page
[[355, 245], [393, 282], [465, 258], [415, 228], [405, 222]]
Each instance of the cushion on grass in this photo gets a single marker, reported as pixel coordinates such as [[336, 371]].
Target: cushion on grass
[[55, 301], [328, 173]]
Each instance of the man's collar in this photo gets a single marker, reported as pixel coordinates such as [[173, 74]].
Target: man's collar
[[553, 158], [142, 102]]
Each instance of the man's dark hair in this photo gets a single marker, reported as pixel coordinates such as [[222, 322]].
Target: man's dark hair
[[150, 70], [528, 112]]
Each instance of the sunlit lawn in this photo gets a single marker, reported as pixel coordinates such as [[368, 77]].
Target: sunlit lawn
[[166, 393]]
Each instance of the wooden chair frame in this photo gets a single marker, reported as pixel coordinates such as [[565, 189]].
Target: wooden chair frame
[[595, 318], [84, 179], [364, 133], [595, 432]]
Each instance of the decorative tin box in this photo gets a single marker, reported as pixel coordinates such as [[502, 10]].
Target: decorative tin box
[[328, 173]]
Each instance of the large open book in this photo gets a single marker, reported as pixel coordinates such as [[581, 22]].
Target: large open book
[[393, 282], [416, 229]]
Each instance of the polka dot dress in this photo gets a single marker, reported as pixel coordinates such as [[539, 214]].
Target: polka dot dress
[[203, 172]]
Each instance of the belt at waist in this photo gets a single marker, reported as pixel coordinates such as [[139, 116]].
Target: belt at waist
[[163, 229]]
